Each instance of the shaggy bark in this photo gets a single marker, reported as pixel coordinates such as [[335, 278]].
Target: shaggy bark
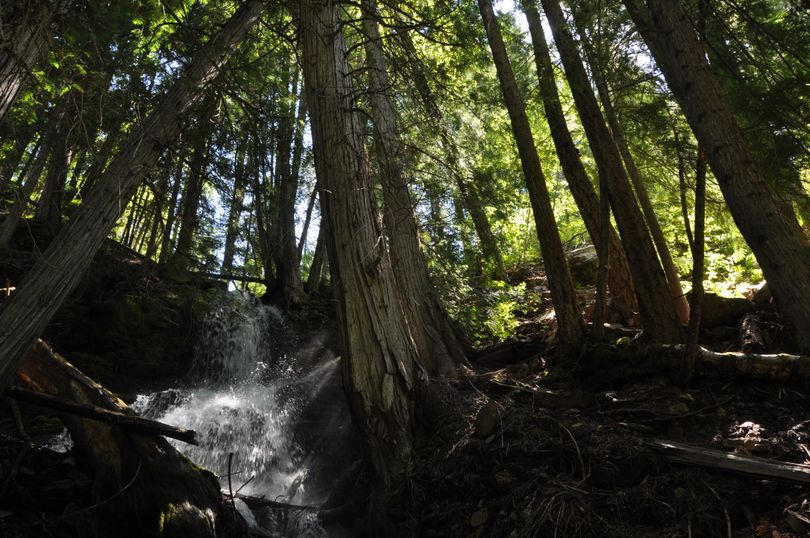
[[146, 472], [380, 361], [467, 189], [698, 270], [618, 276], [597, 72], [316, 267], [605, 365], [23, 196], [26, 27], [235, 212], [192, 191], [171, 213], [287, 286]]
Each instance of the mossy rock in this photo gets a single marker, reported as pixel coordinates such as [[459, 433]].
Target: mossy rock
[[186, 521]]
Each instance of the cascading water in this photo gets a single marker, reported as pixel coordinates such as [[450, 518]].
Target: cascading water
[[235, 402]]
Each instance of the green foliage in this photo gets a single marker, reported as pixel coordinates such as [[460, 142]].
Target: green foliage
[[487, 312], [109, 62]]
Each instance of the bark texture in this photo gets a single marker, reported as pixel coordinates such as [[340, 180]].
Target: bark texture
[[192, 192], [439, 352], [236, 208], [149, 473], [23, 196], [380, 360], [775, 237], [571, 327], [49, 282], [287, 286]]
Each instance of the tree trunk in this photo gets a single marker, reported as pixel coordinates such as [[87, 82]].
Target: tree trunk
[[316, 267], [56, 274], [775, 237], [698, 269], [157, 475], [27, 26], [235, 212], [260, 211], [171, 213], [652, 291], [571, 327], [49, 208], [469, 192], [436, 344], [302, 241], [618, 276], [100, 159], [12, 159], [287, 286], [657, 234], [136, 209], [380, 359], [159, 203], [192, 193]]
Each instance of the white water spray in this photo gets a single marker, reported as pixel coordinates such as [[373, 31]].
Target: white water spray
[[237, 411]]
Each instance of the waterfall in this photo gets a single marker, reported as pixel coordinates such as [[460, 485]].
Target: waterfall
[[234, 398]]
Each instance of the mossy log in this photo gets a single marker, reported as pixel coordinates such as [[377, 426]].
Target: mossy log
[[145, 486], [603, 364]]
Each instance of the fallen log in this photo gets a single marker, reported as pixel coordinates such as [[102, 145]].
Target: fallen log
[[131, 422], [605, 365], [168, 496], [719, 460]]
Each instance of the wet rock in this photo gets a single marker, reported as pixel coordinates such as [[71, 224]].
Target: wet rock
[[187, 521]]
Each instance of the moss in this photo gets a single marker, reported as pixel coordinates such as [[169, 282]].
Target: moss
[[185, 520], [165, 515]]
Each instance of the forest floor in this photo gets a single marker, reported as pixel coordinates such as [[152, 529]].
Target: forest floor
[[529, 451], [531, 455], [514, 448]]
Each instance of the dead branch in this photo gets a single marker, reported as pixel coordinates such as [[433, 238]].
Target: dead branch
[[719, 460], [131, 422]]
